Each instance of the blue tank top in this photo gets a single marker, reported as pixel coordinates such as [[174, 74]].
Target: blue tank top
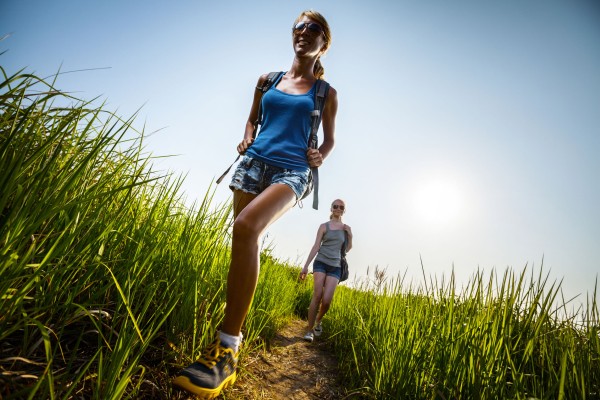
[[283, 137]]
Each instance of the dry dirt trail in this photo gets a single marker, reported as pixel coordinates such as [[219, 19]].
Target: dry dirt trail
[[292, 369]]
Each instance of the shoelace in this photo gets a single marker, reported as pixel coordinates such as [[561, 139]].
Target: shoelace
[[211, 355]]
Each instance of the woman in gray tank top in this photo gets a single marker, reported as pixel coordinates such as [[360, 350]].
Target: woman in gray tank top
[[326, 268]]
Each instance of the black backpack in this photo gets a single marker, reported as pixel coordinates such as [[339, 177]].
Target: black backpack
[[321, 91], [343, 262]]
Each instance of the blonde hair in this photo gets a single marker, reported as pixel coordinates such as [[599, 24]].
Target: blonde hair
[[318, 69], [343, 203]]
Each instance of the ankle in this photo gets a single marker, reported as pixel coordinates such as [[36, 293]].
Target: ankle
[[230, 341]]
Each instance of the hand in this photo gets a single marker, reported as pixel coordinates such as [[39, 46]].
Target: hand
[[303, 273], [314, 157], [243, 146]]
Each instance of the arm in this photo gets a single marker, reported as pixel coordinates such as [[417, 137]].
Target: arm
[[313, 251], [349, 232], [248, 139], [316, 157]]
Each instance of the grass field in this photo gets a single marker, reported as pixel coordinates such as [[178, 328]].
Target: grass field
[[109, 284]]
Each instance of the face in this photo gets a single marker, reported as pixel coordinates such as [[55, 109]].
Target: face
[[338, 207], [308, 37]]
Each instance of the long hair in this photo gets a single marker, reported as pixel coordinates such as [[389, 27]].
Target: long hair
[[318, 70]]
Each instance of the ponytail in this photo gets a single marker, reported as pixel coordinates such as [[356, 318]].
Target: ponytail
[[318, 69]]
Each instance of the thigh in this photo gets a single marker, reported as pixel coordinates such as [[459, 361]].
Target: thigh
[[298, 181], [264, 209], [331, 283], [318, 282], [240, 200]]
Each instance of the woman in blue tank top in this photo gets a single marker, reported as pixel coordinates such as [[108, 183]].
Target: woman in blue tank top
[[272, 177], [331, 235]]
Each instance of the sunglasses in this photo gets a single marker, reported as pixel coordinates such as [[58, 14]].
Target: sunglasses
[[311, 26], [335, 207]]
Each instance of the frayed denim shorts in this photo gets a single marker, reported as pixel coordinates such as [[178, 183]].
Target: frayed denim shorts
[[254, 176], [329, 270]]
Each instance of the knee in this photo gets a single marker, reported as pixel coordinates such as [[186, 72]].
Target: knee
[[325, 304], [317, 295], [243, 229]]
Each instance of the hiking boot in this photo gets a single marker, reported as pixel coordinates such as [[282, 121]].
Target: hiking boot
[[309, 337], [318, 329], [211, 373]]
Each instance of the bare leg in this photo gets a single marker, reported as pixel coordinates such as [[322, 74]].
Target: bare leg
[[253, 214], [328, 291], [319, 280]]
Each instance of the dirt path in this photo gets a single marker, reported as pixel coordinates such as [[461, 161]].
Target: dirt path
[[292, 369]]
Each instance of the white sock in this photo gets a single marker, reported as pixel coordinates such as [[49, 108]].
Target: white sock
[[233, 342]]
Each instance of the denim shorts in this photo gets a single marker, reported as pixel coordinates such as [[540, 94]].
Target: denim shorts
[[254, 176], [319, 266]]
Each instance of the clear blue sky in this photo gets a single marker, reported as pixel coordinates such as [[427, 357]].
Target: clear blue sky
[[468, 132]]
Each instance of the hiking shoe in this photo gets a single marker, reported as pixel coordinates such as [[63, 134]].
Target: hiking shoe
[[211, 373], [309, 337], [318, 329]]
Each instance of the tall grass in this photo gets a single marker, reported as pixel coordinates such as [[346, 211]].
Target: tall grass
[[500, 338], [108, 282]]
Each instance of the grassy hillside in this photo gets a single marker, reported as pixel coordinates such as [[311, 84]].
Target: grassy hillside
[[109, 284]]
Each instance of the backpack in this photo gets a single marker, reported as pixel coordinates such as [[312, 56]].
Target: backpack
[[321, 91], [343, 262]]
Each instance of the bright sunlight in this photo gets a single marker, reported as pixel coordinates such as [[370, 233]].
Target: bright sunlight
[[438, 201]]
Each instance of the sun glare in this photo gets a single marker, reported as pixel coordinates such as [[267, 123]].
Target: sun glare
[[438, 202]]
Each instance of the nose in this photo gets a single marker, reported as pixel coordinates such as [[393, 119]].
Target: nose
[[303, 31]]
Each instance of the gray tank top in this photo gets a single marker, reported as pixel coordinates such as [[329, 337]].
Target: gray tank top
[[330, 251]]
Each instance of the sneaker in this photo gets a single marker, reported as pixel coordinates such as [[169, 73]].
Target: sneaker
[[309, 337], [318, 329], [211, 373]]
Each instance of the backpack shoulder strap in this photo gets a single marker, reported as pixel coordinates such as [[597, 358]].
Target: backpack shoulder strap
[[321, 91], [345, 244], [272, 77]]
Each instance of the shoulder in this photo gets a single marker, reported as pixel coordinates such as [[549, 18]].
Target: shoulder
[[332, 96], [332, 91], [263, 78], [321, 231], [323, 227]]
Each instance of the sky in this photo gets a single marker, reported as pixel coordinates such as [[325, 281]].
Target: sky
[[467, 134]]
